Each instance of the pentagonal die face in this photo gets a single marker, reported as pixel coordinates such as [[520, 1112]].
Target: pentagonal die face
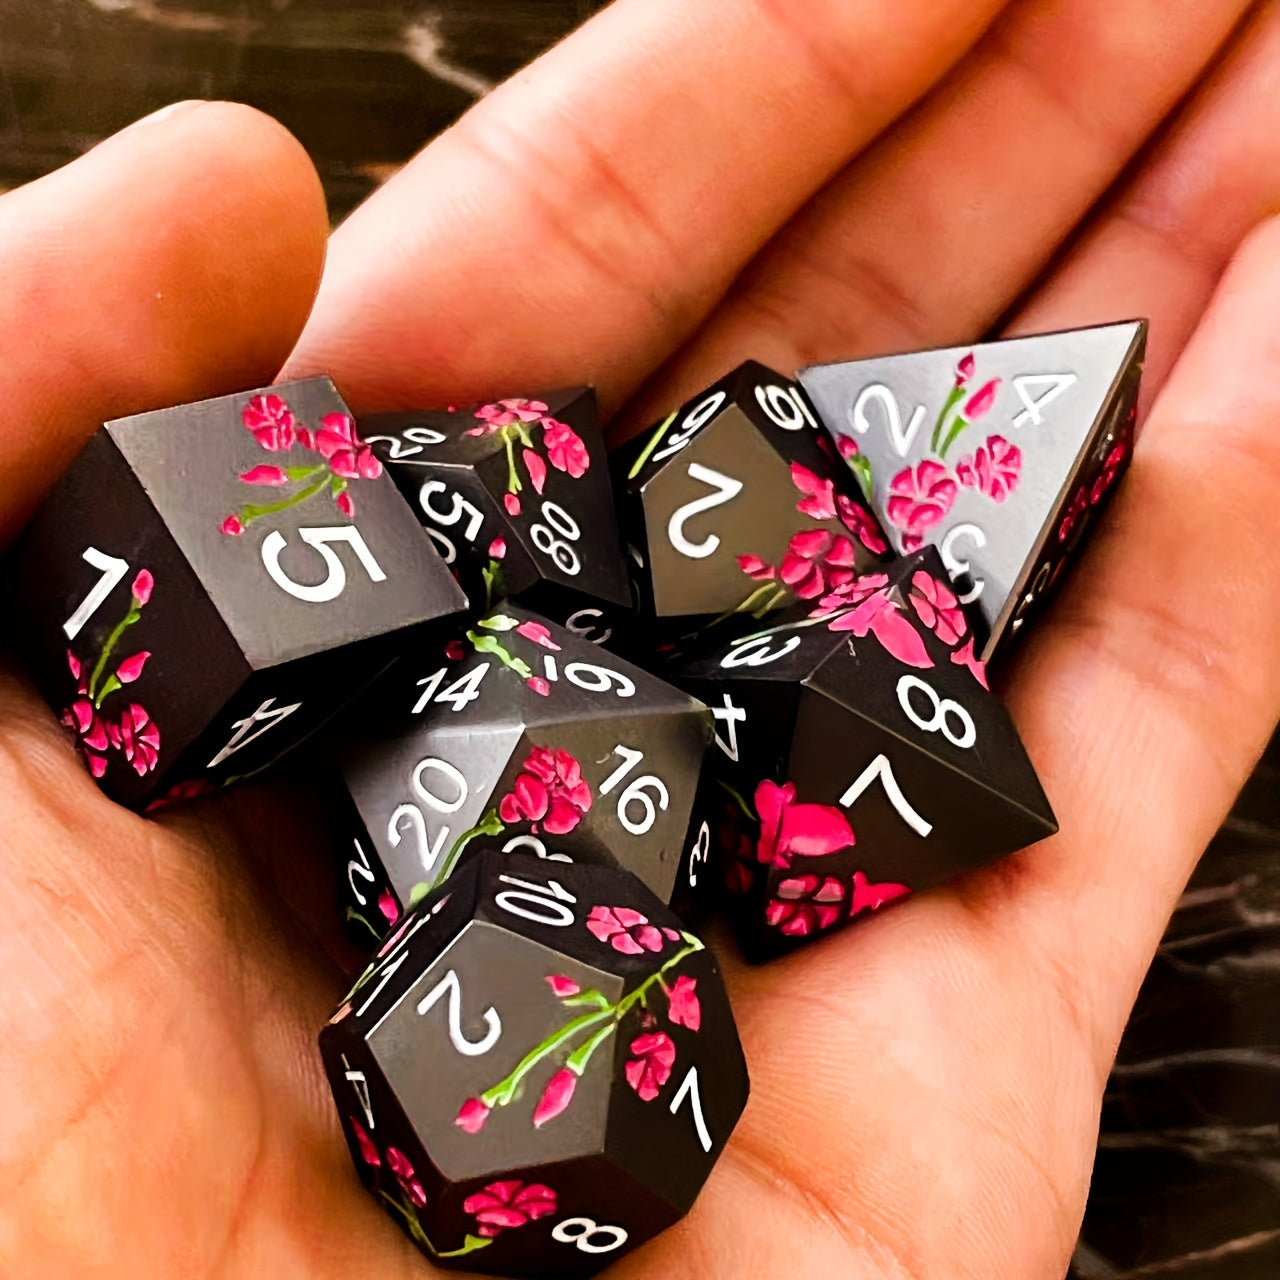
[[525, 735], [859, 756], [995, 454], [735, 503], [516, 495], [545, 1070], [191, 581]]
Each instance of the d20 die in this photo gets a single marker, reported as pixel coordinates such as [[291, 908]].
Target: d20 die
[[516, 495], [737, 503], [527, 733], [208, 584], [540, 1069], [994, 454], [859, 756]]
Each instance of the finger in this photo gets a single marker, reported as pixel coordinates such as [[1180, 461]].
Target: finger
[[581, 220], [930, 237], [1161, 245], [177, 259]]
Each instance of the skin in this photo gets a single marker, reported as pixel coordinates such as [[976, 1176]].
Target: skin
[[674, 188]]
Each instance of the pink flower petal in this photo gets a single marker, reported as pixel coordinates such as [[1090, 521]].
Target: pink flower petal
[[142, 588], [131, 668]]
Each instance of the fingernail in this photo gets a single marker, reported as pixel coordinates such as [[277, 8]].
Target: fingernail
[[173, 109]]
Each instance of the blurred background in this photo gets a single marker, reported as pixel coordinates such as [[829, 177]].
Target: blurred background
[[1187, 1182]]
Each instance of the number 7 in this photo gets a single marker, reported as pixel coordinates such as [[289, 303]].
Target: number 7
[[882, 769]]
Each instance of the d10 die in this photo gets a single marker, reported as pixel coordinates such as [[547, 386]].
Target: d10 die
[[539, 1071], [737, 502], [208, 584], [527, 734], [516, 495], [997, 455], [859, 756]]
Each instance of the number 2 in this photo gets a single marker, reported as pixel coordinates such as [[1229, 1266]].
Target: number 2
[[902, 437], [449, 986], [726, 489]]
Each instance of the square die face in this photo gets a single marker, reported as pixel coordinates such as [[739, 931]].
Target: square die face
[[286, 517]]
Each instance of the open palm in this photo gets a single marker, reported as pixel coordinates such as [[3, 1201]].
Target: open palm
[[678, 186]]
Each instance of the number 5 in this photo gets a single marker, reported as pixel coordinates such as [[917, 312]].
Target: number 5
[[335, 579]]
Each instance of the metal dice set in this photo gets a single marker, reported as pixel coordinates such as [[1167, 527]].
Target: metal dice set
[[741, 662]]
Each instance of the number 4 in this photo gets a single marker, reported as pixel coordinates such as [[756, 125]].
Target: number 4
[[1054, 384], [881, 768]]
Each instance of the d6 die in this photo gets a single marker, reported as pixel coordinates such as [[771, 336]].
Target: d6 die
[[870, 716], [208, 584], [527, 732], [738, 503], [997, 455], [539, 1071], [516, 495]]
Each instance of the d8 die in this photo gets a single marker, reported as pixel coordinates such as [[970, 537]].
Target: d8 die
[[539, 1071], [859, 756], [516, 495], [208, 584], [527, 733], [997, 455], [738, 503]]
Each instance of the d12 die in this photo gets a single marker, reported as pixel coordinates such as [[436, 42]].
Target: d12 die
[[208, 584], [527, 733], [539, 1071], [994, 454], [737, 502], [859, 756], [516, 495]]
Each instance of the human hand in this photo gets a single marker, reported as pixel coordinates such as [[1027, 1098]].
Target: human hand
[[926, 1086]]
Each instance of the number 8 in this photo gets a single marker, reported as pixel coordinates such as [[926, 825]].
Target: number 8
[[585, 1229], [942, 708], [561, 553]]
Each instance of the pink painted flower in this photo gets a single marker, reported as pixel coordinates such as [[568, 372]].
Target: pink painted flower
[[77, 672], [131, 668], [399, 1164], [271, 421], [539, 634], [539, 686], [966, 657], [820, 495], [498, 548], [847, 447], [232, 527], [368, 1148], [880, 616], [920, 497], [805, 904], [537, 469], [493, 417], [738, 852], [565, 449], [871, 897], [339, 443], [550, 790], [626, 930], [982, 401], [994, 468], [389, 907], [507, 1206], [849, 592], [965, 369], [555, 1097], [756, 568], [563, 987], [1079, 504], [938, 608], [650, 1068], [345, 505], [862, 524], [455, 651], [790, 830], [90, 731], [1110, 471], [472, 1115], [911, 542], [143, 585], [683, 1006], [801, 568], [137, 736], [274, 476], [511, 503]]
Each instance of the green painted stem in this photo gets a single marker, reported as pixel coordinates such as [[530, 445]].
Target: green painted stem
[[353, 914], [504, 1090], [961, 422], [107, 649], [489, 825], [252, 512], [957, 394], [513, 480], [654, 441], [578, 1059]]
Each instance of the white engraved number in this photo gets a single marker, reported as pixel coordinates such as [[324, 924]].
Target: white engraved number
[[785, 407], [335, 580], [359, 866], [957, 567], [756, 653], [417, 436], [574, 622], [881, 768], [449, 985], [460, 508], [563, 556], [700, 853], [943, 708], [549, 899], [360, 1083], [636, 793], [534, 846], [582, 1231], [463, 690], [1054, 384], [244, 731], [597, 679], [113, 569], [689, 1089], [902, 437], [726, 489], [698, 416], [429, 851], [730, 715]]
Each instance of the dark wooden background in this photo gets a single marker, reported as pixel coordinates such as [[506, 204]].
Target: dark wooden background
[[1187, 1184]]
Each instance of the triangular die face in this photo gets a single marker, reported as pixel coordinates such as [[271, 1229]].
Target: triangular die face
[[752, 722], [1000, 430]]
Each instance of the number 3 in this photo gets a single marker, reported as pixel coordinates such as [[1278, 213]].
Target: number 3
[[335, 580]]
